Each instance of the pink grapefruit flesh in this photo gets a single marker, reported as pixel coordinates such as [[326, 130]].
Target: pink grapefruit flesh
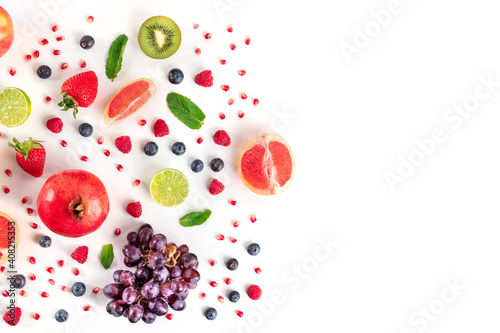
[[7, 235]]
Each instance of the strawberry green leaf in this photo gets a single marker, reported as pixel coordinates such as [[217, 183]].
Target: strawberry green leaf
[[115, 57], [185, 110], [107, 256], [195, 218]]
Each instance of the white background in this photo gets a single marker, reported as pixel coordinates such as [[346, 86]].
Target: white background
[[348, 121]]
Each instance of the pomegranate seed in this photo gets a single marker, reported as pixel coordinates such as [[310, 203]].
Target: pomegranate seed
[[57, 52], [239, 313], [228, 281], [230, 101], [33, 225], [8, 172], [64, 65], [208, 35], [213, 284], [47, 100], [222, 61], [5, 189], [253, 218], [119, 167], [23, 293], [222, 115], [258, 270], [5, 293], [27, 57], [241, 72], [50, 270], [247, 40], [232, 240], [203, 295], [136, 182], [60, 263], [243, 95], [236, 224], [96, 290], [65, 289], [224, 87], [32, 277], [24, 200], [232, 202], [55, 27], [197, 51], [220, 237], [100, 141], [12, 71], [84, 158], [83, 64], [199, 140], [196, 26], [36, 54], [142, 122], [118, 232], [241, 114], [2, 268], [60, 38], [64, 143], [29, 211], [220, 299], [255, 102], [52, 282], [35, 315], [232, 46], [229, 28], [90, 19], [106, 152], [76, 271], [169, 316], [86, 308], [44, 41], [44, 294], [213, 262]]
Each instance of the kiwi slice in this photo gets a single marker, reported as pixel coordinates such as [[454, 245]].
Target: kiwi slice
[[159, 37]]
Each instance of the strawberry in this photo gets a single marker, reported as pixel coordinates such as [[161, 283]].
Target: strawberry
[[216, 187], [123, 144], [204, 79], [254, 292], [30, 155], [222, 138], [134, 209], [55, 125], [160, 128], [79, 91], [80, 254], [13, 316]]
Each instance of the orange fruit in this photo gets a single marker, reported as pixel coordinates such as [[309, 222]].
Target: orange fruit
[[128, 100], [266, 165], [9, 237]]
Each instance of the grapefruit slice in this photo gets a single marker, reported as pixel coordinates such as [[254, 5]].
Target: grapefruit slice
[[128, 100], [266, 165], [9, 235]]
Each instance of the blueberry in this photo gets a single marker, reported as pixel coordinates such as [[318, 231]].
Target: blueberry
[[61, 315], [44, 72], [85, 129], [234, 296], [197, 165], [253, 249], [217, 164], [45, 241], [78, 289], [86, 42], [18, 281], [211, 313], [150, 148], [178, 148], [232, 264], [175, 76]]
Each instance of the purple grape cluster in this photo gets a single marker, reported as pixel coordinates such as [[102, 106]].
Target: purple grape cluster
[[163, 277]]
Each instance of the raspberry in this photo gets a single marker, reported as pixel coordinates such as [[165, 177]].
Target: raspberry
[[254, 292], [160, 128], [123, 144], [12, 317], [134, 209], [55, 125], [222, 138], [80, 254], [204, 79], [216, 187]]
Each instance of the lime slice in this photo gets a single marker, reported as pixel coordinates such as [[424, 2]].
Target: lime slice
[[169, 187], [15, 107]]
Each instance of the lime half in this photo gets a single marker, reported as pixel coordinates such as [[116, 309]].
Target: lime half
[[169, 187], [15, 107]]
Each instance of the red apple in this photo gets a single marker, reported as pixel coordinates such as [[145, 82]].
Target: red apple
[[6, 31], [73, 203]]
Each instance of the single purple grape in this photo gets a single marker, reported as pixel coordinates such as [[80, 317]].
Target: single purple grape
[[158, 306], [113, 290], [165, 289], [131, 251], [130, 295], [191, 276], [161, 274], [175, 272], [188, 260], [158, 259], [148, 317], [127, 279], [133, 238], [176, 303], [183, 249], [116, 275], [150, 290], [158, 242], [178, 285], [135, 313]]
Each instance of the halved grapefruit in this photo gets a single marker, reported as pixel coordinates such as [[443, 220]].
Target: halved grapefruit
[[9, 234], [266, 165], [128, 100]]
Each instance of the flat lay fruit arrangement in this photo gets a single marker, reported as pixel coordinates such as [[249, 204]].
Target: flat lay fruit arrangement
[[154, 272]]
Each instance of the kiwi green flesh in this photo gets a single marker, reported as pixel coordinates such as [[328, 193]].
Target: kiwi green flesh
[[159, 37]]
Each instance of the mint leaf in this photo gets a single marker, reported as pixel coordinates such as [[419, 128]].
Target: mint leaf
[[115, 57], [107, 256], [195, 218], [185, 110]]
